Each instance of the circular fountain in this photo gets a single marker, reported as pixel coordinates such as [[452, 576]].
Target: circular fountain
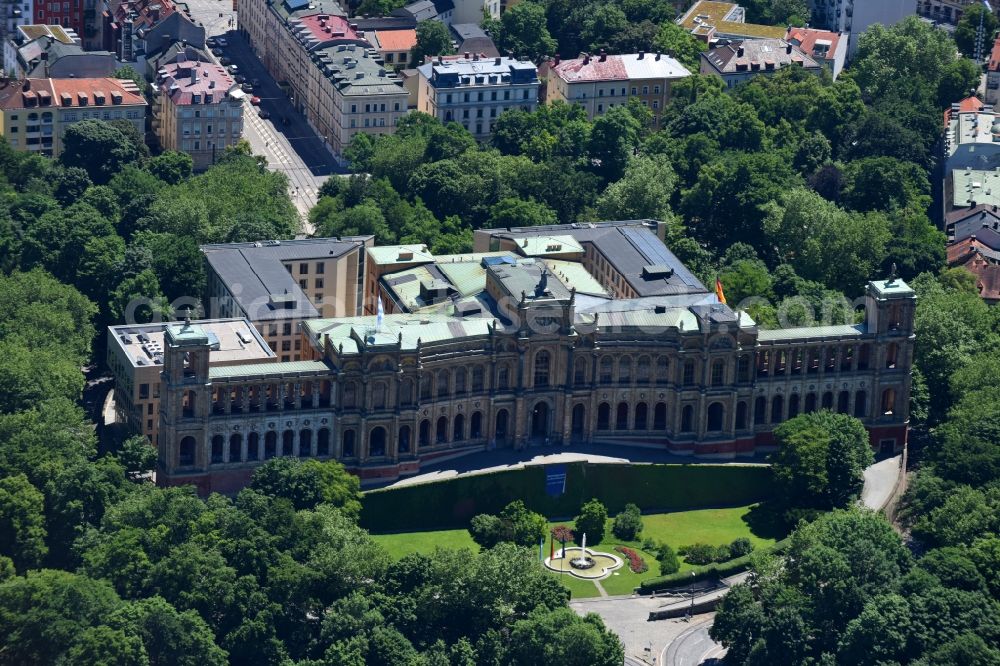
[[584, 561], [581, 562]]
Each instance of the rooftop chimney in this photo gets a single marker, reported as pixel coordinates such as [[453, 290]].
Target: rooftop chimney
[[642, 54], [467, 55], [194, 75], [658, 56], [604, 55], [739, 52], [497, 61], [555, 59], [788, 49]]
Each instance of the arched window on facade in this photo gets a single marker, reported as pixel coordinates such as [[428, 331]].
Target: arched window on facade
[[793, 405], [403, 439], [621, 418], [828, 400], [323, 442], [580, 371], [844, 402], [443, 381], [660, 416], [541, 369], [349, 450], [810, 406], [460, 381], [379, 392], [253, 446], [426, 381], [458, 429], [760, 410], [287, 442], [718, 372], [861, 404], [642, 370], [687, 418], [641, 416], [891, 352], [777, 409], [476, 426], [662, 369], [607, 370], [442, 431], [425, 433], [305, 443], [185, 451], [741, 415], [889, 402], [235, 447], [688, 372], [625, 370], [270, 444], [376, 442], [218, 442], [603, 416], [716, 417], [477, 378]]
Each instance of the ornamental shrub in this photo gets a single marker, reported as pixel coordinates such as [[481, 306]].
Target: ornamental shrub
[[628, 523], [669, 562], [740, 547], [634, 559]]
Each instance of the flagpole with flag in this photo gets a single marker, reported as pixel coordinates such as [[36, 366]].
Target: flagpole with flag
[[718, 291], [379, 316]]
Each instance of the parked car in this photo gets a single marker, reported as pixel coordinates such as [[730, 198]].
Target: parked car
[[247, 88], [225, 61], [255, 101], [233, 69], [221, 41], [255, 82], [217, 52], [211, 41], [240, 78], [263, 114]]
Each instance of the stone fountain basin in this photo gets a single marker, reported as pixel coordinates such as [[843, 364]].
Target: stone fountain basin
[[604, 563]]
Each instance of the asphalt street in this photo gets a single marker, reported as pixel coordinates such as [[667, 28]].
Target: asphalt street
[[293, 148], [694, 647]]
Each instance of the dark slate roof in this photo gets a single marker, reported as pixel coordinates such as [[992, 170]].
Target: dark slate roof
[[253, 272], [473, 39], [962, 223], [385, 23], [629, 246]]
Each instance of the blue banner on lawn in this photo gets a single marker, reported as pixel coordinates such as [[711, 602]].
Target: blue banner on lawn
[[555, 480]]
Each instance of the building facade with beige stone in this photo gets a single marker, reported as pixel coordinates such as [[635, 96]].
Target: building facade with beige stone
[[524, 351]]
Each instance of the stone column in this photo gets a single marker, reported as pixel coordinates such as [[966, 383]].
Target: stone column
[[244, 445]]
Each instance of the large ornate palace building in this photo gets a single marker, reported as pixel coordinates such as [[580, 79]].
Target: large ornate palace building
[[582, 333]]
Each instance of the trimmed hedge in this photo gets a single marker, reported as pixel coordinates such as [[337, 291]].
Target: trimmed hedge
[[707, 572], [655, 488]]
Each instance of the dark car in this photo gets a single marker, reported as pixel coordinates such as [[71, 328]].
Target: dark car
[[247, 88], [240, 78], [217, 52], [225, 61], [263, 114], [255, 82]]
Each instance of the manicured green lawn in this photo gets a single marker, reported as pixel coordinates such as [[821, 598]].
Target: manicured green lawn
[[424, 542], [680, 528]]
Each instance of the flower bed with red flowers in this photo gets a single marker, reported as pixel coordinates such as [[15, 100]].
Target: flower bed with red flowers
[[635, 561]]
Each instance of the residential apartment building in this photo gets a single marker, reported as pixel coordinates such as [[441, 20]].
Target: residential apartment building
[[972, 139], [135, 358], [67, 13], [474, 90], [329, 71], [350, 93], [394, 46], [993, 74], [741, 61], [854, 17], [198, 110], [599, 83], [49, 51], [825, 47], [136, 30], [278, 284], [14, 14], [564, 335], [34, 113], [949, 11], [710, 21]]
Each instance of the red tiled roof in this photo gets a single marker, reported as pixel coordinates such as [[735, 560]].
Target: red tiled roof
[[987, 273], [148, 12], [967, 105], [994, 64], [807, 37], [396, 40], [67, 93]]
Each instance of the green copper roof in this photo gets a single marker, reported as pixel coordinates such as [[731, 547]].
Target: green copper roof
[[186, 335], [803, 332], [893, 287], [268, 369]]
